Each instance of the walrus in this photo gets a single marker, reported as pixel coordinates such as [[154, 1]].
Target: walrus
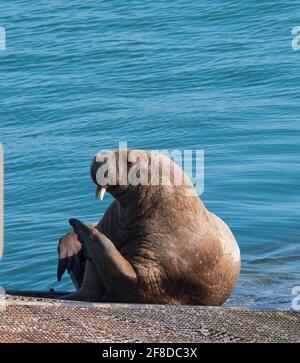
[[156, 243]]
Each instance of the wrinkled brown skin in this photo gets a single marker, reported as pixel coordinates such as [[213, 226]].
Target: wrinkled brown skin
[[154, 244]]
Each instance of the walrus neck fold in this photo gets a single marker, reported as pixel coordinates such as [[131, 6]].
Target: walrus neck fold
[[136, 200]]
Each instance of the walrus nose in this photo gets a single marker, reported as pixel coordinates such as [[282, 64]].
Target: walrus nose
[[94, 169]]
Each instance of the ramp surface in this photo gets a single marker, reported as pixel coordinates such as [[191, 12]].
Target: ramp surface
[[28, 319]]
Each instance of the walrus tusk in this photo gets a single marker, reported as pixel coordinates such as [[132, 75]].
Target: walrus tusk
[[100, 192]]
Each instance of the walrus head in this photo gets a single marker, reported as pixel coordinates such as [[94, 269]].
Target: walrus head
[[123, 173]]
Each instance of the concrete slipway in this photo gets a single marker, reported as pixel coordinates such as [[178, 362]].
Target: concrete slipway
[[40, 317]]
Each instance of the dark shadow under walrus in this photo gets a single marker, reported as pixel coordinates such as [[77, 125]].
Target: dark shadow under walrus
[[156, 243]]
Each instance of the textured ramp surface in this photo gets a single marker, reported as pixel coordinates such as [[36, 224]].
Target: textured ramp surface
[[43, 320]]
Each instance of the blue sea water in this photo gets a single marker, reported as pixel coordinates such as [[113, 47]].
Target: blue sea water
[[221, 76]]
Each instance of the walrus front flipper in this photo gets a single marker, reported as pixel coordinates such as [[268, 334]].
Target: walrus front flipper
[[73, 263], [117, 274]]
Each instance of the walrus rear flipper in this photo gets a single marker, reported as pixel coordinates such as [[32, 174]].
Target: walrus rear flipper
[[77, 271], [75, 266], [116, 273]]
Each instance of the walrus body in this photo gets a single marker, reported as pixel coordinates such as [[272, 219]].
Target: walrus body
[[154, 244]]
